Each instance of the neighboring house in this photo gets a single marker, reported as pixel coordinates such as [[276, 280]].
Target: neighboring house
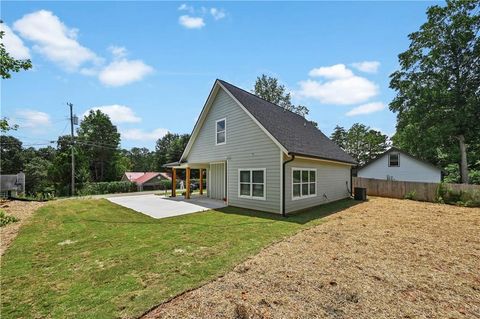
[[260, 156], [146, 180], [398, 165], [12, 185]]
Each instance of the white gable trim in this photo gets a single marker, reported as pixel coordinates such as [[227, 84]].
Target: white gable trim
[[206, 109], [200, 120], [254, 119]]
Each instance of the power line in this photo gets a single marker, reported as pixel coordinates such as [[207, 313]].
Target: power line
[[26, 145], [98, 145]]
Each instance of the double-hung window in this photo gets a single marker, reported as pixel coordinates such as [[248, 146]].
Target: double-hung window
[[394, 160], [220, 132], [304, 182], [251, 183]]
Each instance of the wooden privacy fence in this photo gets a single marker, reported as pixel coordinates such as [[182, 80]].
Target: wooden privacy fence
[[398, 189]]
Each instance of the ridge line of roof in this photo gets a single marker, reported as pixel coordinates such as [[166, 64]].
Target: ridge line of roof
[[261, 98], [242, 94], [394, 148]]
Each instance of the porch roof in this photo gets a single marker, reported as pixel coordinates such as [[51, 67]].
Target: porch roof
[[183, 165]]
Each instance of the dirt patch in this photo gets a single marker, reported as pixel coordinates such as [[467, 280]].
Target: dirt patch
[[385, 258], [20, 209]]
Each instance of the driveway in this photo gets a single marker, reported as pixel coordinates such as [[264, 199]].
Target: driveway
[[161, 207]]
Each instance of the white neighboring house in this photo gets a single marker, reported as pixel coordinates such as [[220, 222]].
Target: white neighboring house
[[398, 165]]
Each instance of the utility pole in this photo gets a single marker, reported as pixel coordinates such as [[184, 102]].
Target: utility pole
[[72, 146]]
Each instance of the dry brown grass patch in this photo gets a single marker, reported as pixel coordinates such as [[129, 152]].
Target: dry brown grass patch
[[383, 258]]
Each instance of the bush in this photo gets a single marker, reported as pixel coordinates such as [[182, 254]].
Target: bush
[[468, 198], [106, 188], [474, 177], [6, 219], [165, 184], [411, 195]]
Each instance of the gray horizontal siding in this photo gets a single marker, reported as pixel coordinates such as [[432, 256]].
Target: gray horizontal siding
[[332, 180], [247, 147], [410, 170]]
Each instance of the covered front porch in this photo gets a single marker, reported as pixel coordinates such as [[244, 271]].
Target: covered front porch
[[211, 178]]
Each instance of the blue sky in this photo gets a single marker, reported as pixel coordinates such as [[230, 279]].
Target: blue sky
[[151, 65]]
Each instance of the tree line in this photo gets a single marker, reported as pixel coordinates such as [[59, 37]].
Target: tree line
[[98, 156]]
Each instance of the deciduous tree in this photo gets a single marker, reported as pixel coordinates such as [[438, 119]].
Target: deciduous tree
[[10, 155], [361, 142], [99, 140], [438, 96], [169, 148], [269, 89], [8, 64]]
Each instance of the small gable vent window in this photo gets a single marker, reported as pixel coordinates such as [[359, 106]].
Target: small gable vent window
[[220, 132], [394, 160]]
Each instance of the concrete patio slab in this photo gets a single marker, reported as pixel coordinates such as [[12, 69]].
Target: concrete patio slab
[[161, 207]]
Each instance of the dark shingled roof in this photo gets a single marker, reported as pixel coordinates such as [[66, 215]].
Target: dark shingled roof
[[297, 135]]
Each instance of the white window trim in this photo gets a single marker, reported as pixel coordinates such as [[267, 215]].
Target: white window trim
[[316, 182], [398, 160], [251, 183], [216, 132]]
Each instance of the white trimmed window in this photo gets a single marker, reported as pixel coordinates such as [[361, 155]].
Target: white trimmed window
[[304, 182], [393, 160], [251, 183], [220, 131]]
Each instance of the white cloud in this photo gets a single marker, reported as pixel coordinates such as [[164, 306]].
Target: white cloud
[[185, 7], [142, 135], [118, 52], [32, 119], [367, 66], [122, 72], [117, 113], [366, 109], [191, 22], [13, 44], [341, 86], [53, 39], [341, 91], [217, 14], [337, 71]]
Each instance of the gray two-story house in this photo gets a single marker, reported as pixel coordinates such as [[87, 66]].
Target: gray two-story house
[[258, 155]]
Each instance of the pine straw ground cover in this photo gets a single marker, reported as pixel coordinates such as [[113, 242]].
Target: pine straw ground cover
[[20, 210], [385, 258]]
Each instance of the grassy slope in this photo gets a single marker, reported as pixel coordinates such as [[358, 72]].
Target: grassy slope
[[121, 263]]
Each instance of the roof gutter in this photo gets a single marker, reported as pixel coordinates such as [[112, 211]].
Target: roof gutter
[[323, 158], [284, 214]]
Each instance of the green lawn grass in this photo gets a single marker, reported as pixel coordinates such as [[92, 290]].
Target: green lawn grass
[[93, 259]]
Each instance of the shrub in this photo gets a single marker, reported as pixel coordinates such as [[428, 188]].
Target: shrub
[[107, 188], [410, 195], [165, 184], [447, 195], [6, 219]]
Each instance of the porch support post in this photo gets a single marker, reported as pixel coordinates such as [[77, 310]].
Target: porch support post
[[187, 186], [174, 182], [201, 181]]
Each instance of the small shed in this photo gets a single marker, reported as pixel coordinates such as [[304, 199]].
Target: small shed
[[12, 184]]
